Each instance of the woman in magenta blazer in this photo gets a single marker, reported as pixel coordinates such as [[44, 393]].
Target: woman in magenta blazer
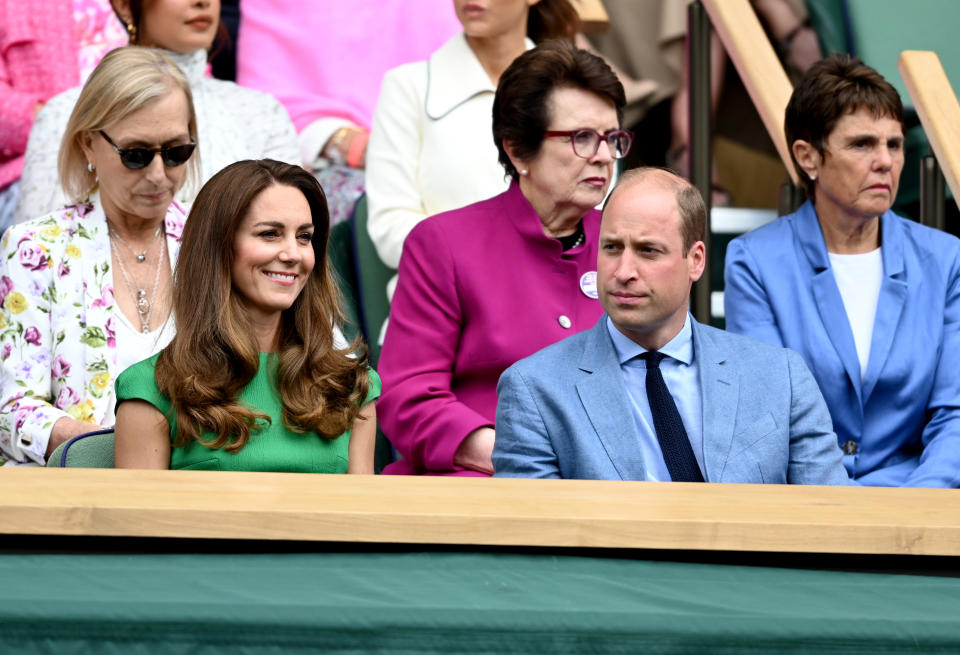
[[483, 286]]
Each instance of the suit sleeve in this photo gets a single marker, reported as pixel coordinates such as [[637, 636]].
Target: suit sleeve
[[940, 460], [419, 411], [522, 448], [747, 308], [815, 457], [393, 157]]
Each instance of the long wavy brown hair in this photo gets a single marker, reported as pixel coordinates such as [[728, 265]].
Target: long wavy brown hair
[[215, 355]]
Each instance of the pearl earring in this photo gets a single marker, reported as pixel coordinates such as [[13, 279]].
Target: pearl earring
[[523, 171], [90, 167], [812, 176]]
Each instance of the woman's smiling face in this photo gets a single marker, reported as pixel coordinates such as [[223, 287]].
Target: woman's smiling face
[[273, 252]]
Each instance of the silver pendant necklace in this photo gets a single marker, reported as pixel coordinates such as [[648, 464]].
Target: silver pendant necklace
[[142, 302], [140, 256]]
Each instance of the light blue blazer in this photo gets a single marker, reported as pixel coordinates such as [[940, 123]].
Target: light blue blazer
[[904, 418], [564, 412]]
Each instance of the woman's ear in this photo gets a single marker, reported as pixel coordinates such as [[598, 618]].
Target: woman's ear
[[511, 151], [84, 139], [808, 157], [122, 9]]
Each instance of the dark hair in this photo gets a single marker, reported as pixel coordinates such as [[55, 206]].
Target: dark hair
[[552, 19], [832, 88], [690, 205], [214, 354], [520, 110]]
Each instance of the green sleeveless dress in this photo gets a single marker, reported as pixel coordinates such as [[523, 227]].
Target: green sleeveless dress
[[272, 448]]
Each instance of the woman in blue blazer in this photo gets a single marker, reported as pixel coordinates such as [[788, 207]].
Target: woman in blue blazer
[[870, 300]]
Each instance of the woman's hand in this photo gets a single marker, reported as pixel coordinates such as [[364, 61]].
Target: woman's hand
[[141, 437], [66, 429], [476, 451], [363, 441], [348, 145]]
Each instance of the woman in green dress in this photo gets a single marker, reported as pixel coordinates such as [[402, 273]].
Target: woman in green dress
[[258, 377]]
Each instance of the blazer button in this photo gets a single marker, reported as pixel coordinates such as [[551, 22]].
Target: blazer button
[[564, 321], [849, 447]]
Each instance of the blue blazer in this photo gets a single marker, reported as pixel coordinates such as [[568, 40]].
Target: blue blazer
[[904, 418], [564, 412]]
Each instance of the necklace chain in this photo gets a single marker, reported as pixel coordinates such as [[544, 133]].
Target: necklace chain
[[143, 304], [140, 257]]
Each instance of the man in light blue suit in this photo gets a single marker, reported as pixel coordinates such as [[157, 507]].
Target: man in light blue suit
[[710, 406]]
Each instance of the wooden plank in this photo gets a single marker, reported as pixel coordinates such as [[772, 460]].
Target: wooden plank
[[763, 76], [474, 511], [593, 16], [937, 106]]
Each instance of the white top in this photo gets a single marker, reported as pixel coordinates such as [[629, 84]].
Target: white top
[[233, 123], [431, 145], [859, 278], [134, 346]]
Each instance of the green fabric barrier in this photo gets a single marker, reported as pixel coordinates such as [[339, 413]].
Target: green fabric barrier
[[461, 603]]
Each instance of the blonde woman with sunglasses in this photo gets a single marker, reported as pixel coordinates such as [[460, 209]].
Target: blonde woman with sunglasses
[[85, 290]]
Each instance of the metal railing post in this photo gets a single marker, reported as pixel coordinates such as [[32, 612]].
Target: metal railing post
[[789, 198], [933, 193], [698, 94]]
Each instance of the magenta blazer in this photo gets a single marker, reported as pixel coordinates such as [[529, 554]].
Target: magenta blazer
[[38, 59], [480, 287]]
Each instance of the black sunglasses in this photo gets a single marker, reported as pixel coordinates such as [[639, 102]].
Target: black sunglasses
[[137, 158]]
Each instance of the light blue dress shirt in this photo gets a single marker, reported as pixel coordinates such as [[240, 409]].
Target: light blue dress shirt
[[681, 375]]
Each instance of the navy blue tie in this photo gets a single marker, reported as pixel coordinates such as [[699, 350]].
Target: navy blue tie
[[674, 443]]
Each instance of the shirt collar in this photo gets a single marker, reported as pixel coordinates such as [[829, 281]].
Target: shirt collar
[[679, 348], [454, 76], [193, 64]]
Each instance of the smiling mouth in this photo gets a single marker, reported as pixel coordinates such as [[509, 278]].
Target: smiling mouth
[[280, 277]]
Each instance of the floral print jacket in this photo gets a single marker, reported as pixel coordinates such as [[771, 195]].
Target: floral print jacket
[[57, 339]]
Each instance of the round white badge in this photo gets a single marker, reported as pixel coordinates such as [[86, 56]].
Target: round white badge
[[588, 284]]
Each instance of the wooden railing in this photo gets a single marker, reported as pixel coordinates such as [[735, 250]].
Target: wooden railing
[[747, 44], [593, 16], [482, 512], [937, 106]]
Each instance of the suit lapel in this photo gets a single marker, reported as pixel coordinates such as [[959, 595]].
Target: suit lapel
[[606, 403], [890, 304], [720, 391], [833, 315], [98, 336]]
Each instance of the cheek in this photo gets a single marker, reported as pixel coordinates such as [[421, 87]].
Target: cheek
[[308, 262]]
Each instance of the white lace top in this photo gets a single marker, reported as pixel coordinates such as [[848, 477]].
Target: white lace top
[[233, 123]]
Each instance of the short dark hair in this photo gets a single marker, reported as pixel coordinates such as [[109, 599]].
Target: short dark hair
[[552, 19], [832, 88], [690, 205], [520, 112]]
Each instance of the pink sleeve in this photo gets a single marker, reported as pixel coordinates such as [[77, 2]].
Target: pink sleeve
[[418, 411]]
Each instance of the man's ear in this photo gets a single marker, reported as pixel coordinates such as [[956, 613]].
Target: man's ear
[[808, 157], [698, 260]]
